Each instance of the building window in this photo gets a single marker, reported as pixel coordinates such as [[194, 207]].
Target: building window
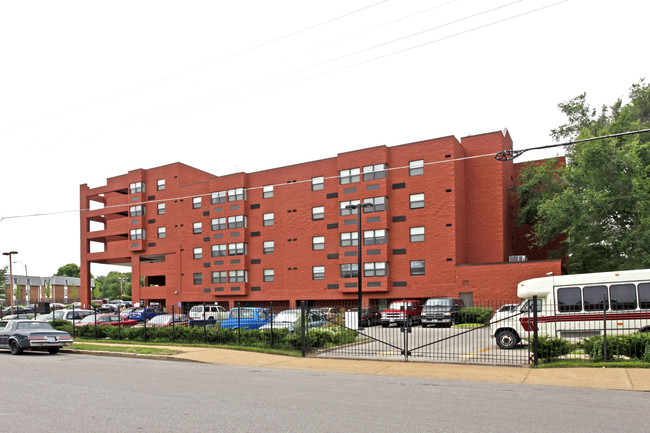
[[236, 194], [237, 249], [196, 228], [218, 223], [162, 232], [268, 219], [136, 187], [269, 275], [349, 176], [196, 203], [161, 184], [375, 237], [237, 276], [349, 239], [318, 213], [349, 270], [318, 273], [219, 250], [198, 253], [377, 171], [317, 183], [417, 234], [269, 247], [136, 234], [161, 208], [378, 204], [219, 277], [267, 191], [197, 278], [375, 269], [416, 168], [417, 267], [235, 222], [343, 210], [318, 242], [417, 201], [136, 211], [218, 197]]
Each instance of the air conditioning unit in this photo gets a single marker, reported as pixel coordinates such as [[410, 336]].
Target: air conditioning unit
[[517, 259]]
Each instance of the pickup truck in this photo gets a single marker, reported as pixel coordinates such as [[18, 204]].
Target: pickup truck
[[246, 317], [400, 311]]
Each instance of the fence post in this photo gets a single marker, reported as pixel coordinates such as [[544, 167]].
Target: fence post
[[144, 321], [535, 334], [173, 327], [239, 323], [302, 330], [119, 322], [205, 335], [271, 324], [605, 326]]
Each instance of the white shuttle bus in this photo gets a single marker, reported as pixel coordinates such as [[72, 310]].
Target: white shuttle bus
[[577, 306]]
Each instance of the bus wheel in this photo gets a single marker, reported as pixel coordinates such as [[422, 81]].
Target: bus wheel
[[507, 339]]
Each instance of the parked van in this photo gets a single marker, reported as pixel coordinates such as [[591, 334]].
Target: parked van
[[212, 312], [441, 311], [577, 307]]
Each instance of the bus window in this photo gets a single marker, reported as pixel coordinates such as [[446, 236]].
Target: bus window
[[595, 298], [644, 295], [623, 296], [528, 305], [569, 299]]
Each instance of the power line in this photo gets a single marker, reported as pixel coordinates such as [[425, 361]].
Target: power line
[[510, 154], [210, 193]]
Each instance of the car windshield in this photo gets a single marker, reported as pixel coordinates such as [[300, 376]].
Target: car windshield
[[245, 314], [400, 304], [438, 302], [88, 319], [44, 326]]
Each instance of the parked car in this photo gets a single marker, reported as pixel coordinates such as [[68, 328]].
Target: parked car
[[332, 313], [58, 306], [145, 313], [18, 309], [290, 319], [69, 315], [400, 311], [18, 316], [18, 335], [111, 319], [246, 317], [208, 312], [369, 316], [125, 313], [441, 311], [166, 320]]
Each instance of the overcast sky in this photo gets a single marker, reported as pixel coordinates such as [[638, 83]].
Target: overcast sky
[[91, 90]]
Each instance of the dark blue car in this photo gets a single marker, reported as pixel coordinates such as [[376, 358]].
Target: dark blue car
[[247, 317], [141, 314]]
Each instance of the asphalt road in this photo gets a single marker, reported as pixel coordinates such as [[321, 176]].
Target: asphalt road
[[71, 392]]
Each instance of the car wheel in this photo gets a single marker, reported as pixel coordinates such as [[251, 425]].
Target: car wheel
[[53, 350], [210, 318], [424, 325], [15, 348], [384, 325], [452, 322], [507, 339]]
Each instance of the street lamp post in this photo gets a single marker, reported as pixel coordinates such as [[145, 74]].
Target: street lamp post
[[359, 208], [11, 281]]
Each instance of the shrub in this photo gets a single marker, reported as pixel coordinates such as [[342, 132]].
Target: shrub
[[475, 315], [633, 346], [552, 348]]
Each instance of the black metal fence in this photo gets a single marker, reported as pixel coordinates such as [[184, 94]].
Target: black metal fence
[[494, 333]]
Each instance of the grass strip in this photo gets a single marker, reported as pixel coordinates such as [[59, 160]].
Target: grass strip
[[124, 349]]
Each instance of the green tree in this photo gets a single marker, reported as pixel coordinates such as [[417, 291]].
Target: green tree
[[48, 290], [599, 203], [3, 282], [109, 286], [69, 270]]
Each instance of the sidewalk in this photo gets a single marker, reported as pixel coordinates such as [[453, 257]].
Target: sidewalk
[[630, 379]]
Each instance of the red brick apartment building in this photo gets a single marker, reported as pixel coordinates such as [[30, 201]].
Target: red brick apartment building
[[441, 224]]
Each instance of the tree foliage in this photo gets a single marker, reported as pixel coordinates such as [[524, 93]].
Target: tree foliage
[[3, 282], [69, 270], [599, 201], [109, 286]]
